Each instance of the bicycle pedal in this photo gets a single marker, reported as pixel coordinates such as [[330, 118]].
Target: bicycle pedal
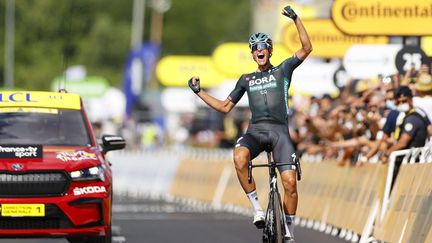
[[259, 224], [288, 239]]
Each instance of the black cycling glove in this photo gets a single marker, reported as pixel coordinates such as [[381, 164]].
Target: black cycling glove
[[290, 13], [195, 88]]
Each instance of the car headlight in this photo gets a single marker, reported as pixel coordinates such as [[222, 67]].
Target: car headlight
[[88, 174]]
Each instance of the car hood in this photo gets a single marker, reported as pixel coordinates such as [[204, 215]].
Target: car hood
[[55, 158]]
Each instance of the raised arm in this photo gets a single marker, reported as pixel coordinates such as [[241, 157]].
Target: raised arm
[[306, 48], [219, 105]]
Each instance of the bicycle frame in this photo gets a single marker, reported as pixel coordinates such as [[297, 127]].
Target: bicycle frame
[[274, 213]]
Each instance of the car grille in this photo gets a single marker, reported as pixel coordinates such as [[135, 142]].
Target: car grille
[[33, 184], [54, 219]]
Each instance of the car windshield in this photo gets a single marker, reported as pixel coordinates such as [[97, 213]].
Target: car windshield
[[44, 126]]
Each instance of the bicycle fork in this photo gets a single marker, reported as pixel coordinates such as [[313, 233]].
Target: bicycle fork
[[272, 216]]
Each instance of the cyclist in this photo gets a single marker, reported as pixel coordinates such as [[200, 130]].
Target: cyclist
[[267, 90]]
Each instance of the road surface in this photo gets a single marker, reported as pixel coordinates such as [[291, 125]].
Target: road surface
[[158, 221]]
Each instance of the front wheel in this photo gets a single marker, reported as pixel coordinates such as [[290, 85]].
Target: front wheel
[[274, 229], [100, 239], [279, 228]]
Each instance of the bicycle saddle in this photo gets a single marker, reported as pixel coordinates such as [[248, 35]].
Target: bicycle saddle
[[266, 141]]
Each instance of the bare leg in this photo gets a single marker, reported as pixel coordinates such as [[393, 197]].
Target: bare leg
[[289, 182], [241, 159]]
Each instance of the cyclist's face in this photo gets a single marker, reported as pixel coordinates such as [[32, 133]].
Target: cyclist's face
[[261, 54]]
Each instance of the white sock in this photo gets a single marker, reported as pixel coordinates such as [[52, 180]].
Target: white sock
[[253, 197], [289, 225]]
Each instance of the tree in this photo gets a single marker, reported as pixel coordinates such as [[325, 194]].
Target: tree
[[197, 26], [52, 35]]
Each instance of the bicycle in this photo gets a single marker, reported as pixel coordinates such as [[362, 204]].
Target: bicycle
[[274, 228]]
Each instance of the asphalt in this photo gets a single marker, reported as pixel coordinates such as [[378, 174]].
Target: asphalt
[[158, 221]]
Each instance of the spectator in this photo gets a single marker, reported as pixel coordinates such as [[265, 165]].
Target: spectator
[[411, 75], [412, 132], [371, 123], [385, 138], [423, 98]]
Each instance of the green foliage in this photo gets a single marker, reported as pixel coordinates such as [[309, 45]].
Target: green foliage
[[198, 26], [52, 35]]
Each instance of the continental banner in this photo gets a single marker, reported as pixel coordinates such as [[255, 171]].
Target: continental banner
[[327, 40], [383, 17]]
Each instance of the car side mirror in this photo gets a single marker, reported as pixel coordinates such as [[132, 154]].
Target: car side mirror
[[112, 142]]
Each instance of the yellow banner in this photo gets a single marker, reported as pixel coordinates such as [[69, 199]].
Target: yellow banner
[[304, 11], [40, 99], [235, 59], [177, 70], [383, 17], [327, 40], [426, 45]]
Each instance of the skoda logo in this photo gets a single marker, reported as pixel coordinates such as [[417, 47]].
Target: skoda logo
[[17, 166]]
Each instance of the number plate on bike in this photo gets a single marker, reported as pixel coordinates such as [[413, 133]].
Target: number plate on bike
[[22, 210]]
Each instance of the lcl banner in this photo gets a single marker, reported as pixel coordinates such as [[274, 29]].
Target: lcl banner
[[383, 17]]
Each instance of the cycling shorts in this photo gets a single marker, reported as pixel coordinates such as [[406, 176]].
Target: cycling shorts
[[259, 135]]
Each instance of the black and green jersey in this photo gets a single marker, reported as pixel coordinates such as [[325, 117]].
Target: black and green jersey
[[267, 91]]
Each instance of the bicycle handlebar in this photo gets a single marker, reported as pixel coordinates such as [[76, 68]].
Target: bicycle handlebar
[[273, 165]]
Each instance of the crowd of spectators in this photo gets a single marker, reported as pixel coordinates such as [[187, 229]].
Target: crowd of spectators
[[368, 120]]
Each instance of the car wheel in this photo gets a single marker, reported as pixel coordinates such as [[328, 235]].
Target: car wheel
[[76, 239], [101, 239], [92, 239]]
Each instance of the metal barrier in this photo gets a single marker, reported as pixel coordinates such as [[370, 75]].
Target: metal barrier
[[406, 214], [146, 173], [358, 201]]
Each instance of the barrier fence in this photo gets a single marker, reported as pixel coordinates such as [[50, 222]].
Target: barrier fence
[[361, 200]]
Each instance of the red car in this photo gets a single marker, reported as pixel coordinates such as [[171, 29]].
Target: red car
[[55, 180]]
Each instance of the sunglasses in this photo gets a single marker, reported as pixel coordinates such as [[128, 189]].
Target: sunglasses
[[260, 46], [401, 101]]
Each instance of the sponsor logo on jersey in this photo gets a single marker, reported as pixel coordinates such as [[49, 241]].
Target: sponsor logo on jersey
[[262, 83]]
